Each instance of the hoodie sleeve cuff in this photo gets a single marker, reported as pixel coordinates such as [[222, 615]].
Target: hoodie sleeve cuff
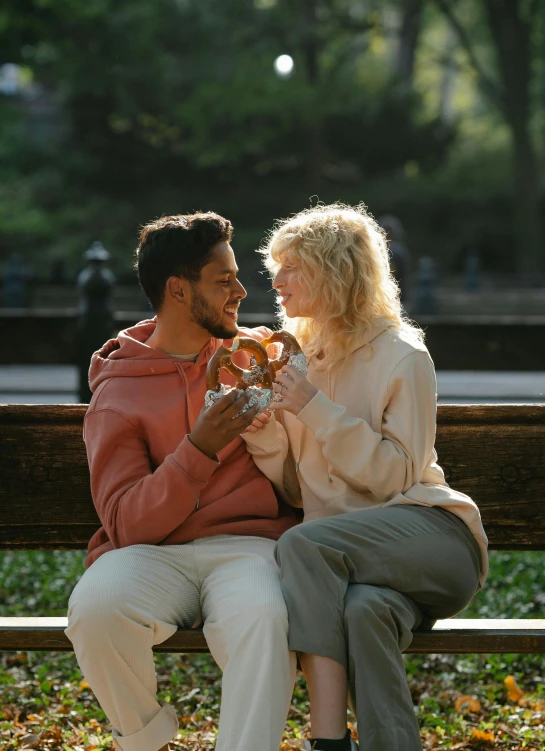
[[266, 440], [319, 413], [193, 463]]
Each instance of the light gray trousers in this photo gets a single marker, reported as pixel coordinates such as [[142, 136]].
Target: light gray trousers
[[135, 597], [357, 585]]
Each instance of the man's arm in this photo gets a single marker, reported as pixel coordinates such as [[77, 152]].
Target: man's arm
[[137, 504]]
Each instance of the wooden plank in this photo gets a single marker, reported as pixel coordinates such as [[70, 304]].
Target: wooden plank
[[454, 636], [494, 453], [482, 636], [48, 634]]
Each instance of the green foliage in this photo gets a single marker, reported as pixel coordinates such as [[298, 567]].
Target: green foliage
[[172, 106], [38, 582], [44, 692]]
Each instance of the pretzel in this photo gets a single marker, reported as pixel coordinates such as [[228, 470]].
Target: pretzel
[[257, 379], [292, 354]]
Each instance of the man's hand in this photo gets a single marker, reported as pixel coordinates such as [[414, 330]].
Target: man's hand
[[218, 425]]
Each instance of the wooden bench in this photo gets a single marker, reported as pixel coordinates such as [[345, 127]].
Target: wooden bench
[[494, 453]]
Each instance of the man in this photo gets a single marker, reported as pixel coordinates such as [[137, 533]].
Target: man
[[188, 521]]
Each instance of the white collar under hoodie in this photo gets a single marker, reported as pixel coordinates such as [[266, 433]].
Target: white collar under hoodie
[[366, 439]]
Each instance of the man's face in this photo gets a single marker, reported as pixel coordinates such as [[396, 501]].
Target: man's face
[[215, 298]]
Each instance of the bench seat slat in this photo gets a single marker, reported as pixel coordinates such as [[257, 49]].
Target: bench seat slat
[[454, 636]]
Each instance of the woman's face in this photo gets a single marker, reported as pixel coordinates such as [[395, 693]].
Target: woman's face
[[293, 293]]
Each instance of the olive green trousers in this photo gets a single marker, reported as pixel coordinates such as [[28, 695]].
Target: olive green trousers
[[357, 585]]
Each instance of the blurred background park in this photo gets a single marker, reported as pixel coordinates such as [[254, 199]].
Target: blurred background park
[[431, 112]]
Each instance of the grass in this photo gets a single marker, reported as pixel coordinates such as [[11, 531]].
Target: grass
[[462, 700]]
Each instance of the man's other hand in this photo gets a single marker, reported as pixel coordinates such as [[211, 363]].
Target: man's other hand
[[221, 423]]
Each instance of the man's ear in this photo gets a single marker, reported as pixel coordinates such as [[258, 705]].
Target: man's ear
[[177, 289]]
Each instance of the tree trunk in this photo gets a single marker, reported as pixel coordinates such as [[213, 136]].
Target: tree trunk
[[315, 151], [511, 34], [448, 81], [409, 31]]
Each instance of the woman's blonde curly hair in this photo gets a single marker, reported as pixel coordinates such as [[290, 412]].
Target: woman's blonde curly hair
[[342, 258]]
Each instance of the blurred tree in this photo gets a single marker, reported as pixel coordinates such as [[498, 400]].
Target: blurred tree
[[174, 106], [156, 91], [514, 27], [409, 32]]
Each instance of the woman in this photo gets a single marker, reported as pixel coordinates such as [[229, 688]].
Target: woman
[[386, 546]]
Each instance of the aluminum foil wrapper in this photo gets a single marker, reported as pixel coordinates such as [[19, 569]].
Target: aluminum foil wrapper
[[299, 362], [254, 376], [212, 396], [263, 397]]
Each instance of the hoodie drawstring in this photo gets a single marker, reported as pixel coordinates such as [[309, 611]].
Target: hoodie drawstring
[[190, 416]]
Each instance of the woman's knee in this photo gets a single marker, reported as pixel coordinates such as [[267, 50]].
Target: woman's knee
[[301, 541], [377, 611], [364, 603]]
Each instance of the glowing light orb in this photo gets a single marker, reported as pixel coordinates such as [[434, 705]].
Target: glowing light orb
[[283, 66]]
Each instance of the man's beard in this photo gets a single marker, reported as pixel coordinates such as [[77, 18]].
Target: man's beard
[[208, 317]]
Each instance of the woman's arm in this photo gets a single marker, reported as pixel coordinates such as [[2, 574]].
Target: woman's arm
[[389, 462], [269, 448]]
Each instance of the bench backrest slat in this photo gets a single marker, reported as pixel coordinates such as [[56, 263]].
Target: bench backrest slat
[[494, 453]]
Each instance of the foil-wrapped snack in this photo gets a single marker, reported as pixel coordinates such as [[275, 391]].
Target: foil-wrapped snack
[[259, 377], [292, 354], [263, 397], [256, 380], [298, 361]]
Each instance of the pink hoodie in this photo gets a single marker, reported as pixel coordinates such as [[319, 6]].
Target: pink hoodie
[[150, 484]]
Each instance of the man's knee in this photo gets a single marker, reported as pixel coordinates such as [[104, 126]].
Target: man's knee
[[258, 629], [264, 615], [95, 612], [261, 619]]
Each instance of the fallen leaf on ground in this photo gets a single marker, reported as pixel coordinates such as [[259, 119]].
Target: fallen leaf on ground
[[465, 704], [29, 741], [10, 712], [514, 693], [485, 736]]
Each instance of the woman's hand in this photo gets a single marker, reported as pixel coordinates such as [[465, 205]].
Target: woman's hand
[[295, 390], [259, 422]]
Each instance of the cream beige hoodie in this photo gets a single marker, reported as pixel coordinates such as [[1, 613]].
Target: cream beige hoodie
[[366, 439]]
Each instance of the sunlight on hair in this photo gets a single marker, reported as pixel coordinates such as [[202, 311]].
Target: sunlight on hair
[[342, 257]]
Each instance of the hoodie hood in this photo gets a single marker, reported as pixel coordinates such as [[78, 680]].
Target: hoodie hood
[[370, 333], [129, 355]]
